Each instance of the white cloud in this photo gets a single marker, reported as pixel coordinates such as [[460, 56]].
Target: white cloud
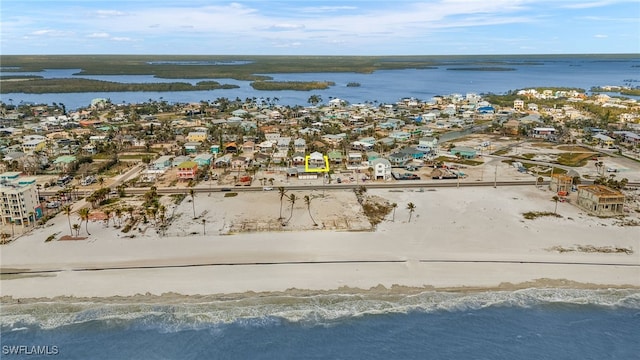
[[600, 36], [117, 38], [50, 32], [322, 9], [285, 27], [98, 35], [108, 13]]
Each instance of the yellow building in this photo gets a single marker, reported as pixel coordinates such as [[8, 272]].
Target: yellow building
[[31, 146], [197, 136]]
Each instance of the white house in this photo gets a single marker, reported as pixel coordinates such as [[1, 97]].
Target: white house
[[381, 169]]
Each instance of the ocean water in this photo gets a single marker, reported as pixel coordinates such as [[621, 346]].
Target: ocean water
[[522, 324]]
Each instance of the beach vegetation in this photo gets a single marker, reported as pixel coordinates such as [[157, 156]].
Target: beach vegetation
[[292, 200], [282, 193], [84, 217], [574, 159], [375, 210], [532, 215], [231, 194], [50, 238], [292, 85], [42, 86], [307, 201], [411, 207]]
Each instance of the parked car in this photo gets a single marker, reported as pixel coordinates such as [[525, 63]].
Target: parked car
[[53, 205], [267, 188], [612, 170]]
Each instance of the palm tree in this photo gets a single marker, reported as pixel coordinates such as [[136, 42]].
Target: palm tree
[[394, 206], [76, 227], [282, 192], [540, 179], [107, 212], [193, 201], [292, 200], [307, 201], [411, 207], [118, 214], [84, 216], [556, 198], [67, 211]]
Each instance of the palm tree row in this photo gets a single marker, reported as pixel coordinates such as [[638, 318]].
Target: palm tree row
[[292, 199]]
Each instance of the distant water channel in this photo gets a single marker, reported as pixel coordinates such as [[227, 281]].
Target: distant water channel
[[385, 86]]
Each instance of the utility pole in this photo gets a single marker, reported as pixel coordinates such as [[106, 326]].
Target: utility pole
[[495, 178]]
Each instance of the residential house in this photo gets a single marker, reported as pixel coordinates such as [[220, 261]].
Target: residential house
[[427, 144], [283, 144], [360, 145], [263, 160], [214, 149], [179, 160], [400, 136], [560, 182], [161, 163], [230, 147], [372, 155], [464, 152], [187, 170], [316, 160], [600, 200], [335, 157], [192, 147], [414, 153], [381, 169], [90, 149], [223, 161], [518, 105], [248, 147], [239, 163], [628, 137], [33, 145], [203, 159], [298, 159], [399, 158], [300, 145], [272, 136], [197, 136], [354, 159], [265, 147], [603, 140], [543, 132], [62, 163]]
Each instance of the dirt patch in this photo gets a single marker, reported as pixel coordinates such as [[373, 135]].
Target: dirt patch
[[68, 237]]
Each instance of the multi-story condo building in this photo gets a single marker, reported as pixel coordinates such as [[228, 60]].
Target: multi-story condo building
[[18, 201]]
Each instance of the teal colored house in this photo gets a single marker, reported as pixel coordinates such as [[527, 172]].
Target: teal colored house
[[203, 159], [464, 152], [214, 149]]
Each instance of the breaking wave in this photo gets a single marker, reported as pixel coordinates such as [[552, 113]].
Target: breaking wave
[[177, 313]]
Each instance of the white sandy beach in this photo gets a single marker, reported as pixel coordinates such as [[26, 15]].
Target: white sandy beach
[[457, 238]]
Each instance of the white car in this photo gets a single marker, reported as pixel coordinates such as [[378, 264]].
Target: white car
[[267, 188], [53, 205]]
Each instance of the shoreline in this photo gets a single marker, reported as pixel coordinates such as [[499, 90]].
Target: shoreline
[[379, 291]]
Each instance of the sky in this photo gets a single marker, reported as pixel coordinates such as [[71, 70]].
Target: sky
[[307, 27]]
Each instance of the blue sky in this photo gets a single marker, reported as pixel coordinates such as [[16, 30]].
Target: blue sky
[[393, 27]]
